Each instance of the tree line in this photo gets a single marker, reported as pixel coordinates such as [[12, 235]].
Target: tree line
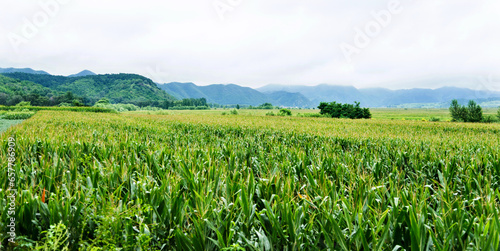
[[472, 112], [339, 110]]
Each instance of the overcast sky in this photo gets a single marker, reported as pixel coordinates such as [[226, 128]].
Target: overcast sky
[[255, 42]]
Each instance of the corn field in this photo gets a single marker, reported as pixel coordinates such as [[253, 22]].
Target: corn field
[[93, 181]]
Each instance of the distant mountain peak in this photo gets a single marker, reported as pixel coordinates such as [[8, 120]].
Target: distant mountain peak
[[83, 74]]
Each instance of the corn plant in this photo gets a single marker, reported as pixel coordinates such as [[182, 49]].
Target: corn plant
[[191, 182]]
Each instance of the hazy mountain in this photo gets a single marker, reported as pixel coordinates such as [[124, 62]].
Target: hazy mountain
[[289, 99], [83, 74], [183, 90], [381, 97], [118, 88], [319, 93], [22, 70], [231, 94]]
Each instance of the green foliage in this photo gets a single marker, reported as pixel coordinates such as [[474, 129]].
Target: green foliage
[[103, 101], [270, 114], [338, 110], [266, 106], [489, 119], [69, 108], [24, 103], [56, 238], [434, 119], [234, 112], [470, 113], [285, 112], [238, 107], [17, 115], [498, 113]]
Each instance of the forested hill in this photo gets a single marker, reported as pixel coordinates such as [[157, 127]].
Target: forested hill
[[13, 91], [118, 88]]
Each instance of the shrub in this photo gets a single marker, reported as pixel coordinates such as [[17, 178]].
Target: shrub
[[24, 103], [104, 101], [285, 112], [270, 114], [434, 119], [489, 119], [18, 115], [234, 112]]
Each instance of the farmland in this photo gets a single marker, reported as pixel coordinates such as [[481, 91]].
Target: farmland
[[199, 180]]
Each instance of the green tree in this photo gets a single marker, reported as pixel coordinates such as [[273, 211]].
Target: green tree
[[498, 113], [238, 107], [474, 112], [470, 113], [457, 112]]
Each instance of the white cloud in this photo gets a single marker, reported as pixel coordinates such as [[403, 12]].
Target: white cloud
[[258, 42]]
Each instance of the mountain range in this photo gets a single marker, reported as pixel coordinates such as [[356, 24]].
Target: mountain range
[[31, 71], [232, 94], [133, 88], [22, 70], [381, 97]]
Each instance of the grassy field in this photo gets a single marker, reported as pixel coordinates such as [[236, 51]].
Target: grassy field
[[199, 180], [377, 113]]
